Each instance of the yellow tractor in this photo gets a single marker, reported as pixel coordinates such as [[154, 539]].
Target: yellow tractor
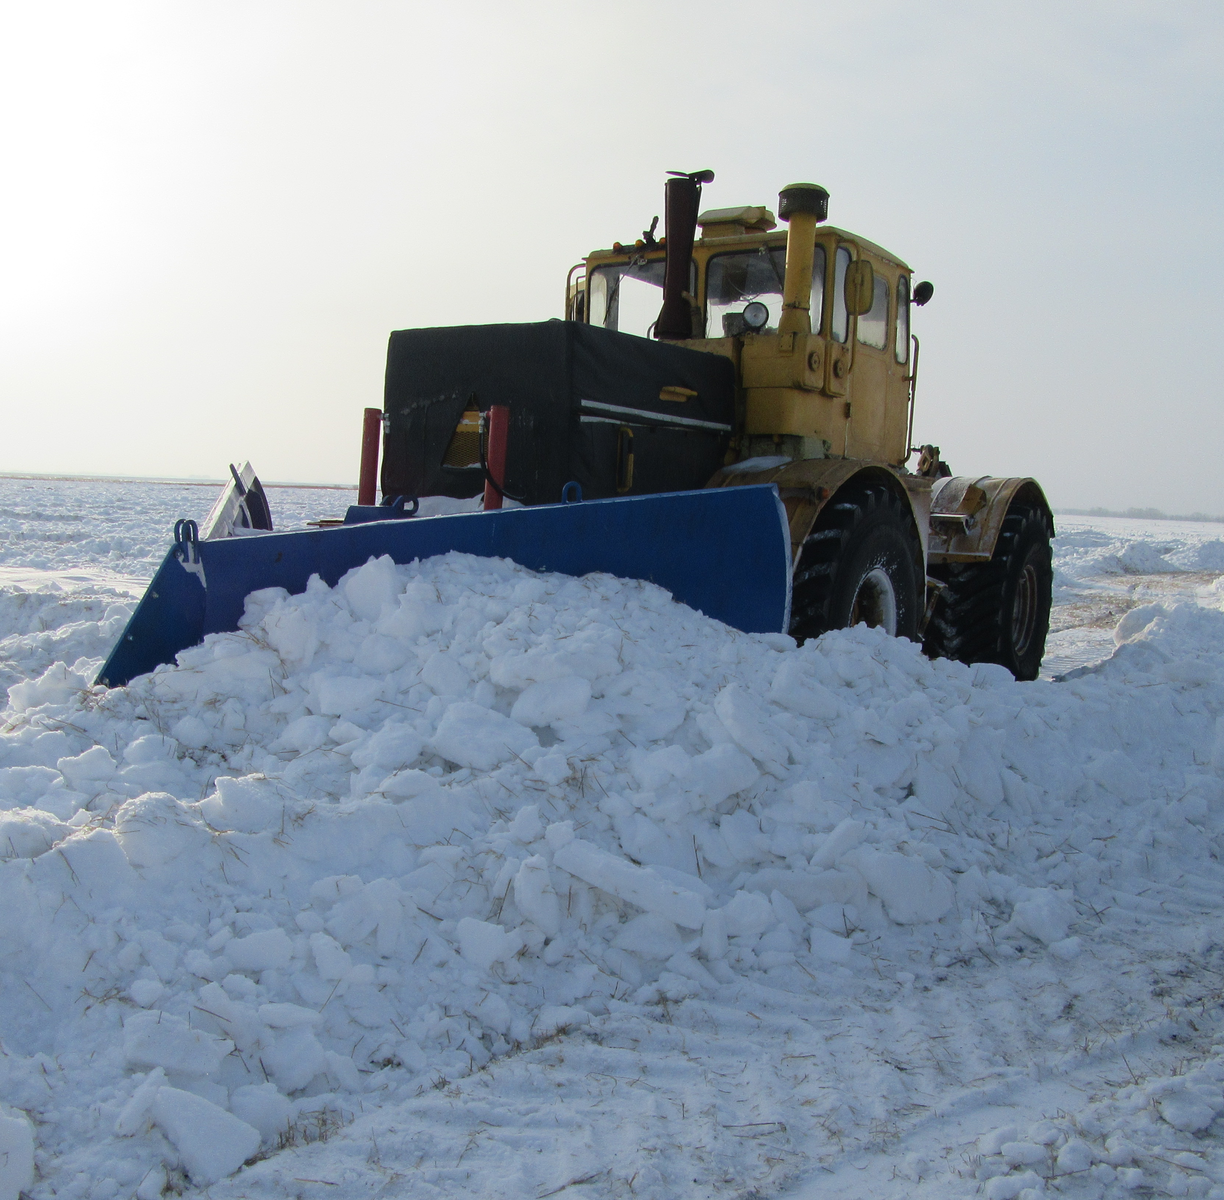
[[735, 410]]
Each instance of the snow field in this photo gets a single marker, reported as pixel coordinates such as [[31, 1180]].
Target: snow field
[[80, 528], [496, 882]]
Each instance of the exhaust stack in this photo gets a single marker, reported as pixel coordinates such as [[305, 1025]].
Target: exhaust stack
[[682, 200], [804, 206]]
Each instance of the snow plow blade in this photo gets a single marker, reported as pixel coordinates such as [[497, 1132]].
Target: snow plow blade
[[722, 551]]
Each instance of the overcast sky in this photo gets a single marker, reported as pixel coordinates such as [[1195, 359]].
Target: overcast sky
[[214, 212]]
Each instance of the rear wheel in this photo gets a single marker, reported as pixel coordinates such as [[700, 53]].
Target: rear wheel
[[859, 565], [998, 611]]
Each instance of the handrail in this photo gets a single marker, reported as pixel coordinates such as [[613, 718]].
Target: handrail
[[579, 266]]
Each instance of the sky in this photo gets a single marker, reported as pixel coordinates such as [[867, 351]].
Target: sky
[[214, 213]]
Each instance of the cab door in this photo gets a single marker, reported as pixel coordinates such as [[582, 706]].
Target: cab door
[[869, 411]]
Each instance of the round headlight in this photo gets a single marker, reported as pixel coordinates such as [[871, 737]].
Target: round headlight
[[756, 316]]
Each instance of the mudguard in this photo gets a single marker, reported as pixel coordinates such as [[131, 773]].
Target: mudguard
[[807, 484], [724, 552], [967, 514]]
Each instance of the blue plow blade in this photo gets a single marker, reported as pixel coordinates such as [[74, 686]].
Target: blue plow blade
[[722, 551]]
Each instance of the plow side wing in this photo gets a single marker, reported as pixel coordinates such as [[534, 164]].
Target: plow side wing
[[723, 551]]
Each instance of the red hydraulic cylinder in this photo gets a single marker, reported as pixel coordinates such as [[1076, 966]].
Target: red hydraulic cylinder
[[371, 427], [498, 418]]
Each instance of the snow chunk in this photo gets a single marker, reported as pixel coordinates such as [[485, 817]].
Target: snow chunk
[[556, 700], [269, 949], [829, 946], [331, 960], [1042, 913], [741, 716], [637, 885], [527, 826], [246, 805], [373, 588], [391, 749], [748, 914], [261, 1105], [912, 893], [146, 992], [288, 1016], [160, 1039], [534, 894], [1135, 623], [27, 832], [296, 1059], [56, 685], [795, 687], [1008, 1187], [16, 1153], [482, 943], [473, 736], [155, 829], [1188, 1111], [1076, 1155], [211, 1142], [152, 748], [589, 655], [89, 771], [338, 695]]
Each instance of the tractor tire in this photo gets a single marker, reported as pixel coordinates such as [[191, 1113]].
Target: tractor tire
[[998, 612], [859, 565]]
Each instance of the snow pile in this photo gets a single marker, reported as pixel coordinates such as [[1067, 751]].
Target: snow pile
[[1132, 558], [396, 829], [1111, 547], [1206, 556], [47, 626]]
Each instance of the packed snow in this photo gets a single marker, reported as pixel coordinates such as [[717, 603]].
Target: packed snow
[[463, 880]]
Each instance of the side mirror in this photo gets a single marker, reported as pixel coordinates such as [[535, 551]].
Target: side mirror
[[923, 292], [860, 287]]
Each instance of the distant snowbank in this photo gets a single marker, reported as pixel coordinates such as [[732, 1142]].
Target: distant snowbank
[[58, 527]]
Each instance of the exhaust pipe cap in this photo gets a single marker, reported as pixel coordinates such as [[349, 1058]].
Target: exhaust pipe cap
[[803, 198]]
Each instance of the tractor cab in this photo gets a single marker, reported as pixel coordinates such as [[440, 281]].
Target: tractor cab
[[833, 378]]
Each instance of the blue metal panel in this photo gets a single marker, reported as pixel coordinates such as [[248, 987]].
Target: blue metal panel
[[169, 618], [723, 551]]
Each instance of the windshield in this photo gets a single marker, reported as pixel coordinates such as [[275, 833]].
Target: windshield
[[627, 296], [734, 280]]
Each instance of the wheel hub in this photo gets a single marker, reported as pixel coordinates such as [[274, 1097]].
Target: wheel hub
[[875, 602], [1024, 609]]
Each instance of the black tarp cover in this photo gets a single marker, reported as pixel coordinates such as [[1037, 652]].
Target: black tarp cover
[[572, 390]]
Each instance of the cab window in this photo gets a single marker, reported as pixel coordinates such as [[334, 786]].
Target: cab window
[[841, 320], [816, 305], [873, 325], [736, 280], [627, 296]]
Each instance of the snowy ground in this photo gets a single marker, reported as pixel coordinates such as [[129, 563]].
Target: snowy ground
[[466, 881], [1108, 565]]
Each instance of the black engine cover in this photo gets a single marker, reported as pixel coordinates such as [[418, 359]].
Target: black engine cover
[[580, 398]]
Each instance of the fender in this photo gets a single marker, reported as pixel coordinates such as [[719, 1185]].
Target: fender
[[967, 514], [807, 485]]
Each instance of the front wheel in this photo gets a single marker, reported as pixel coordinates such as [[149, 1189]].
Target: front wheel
[[998, 611], [859, 566]]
